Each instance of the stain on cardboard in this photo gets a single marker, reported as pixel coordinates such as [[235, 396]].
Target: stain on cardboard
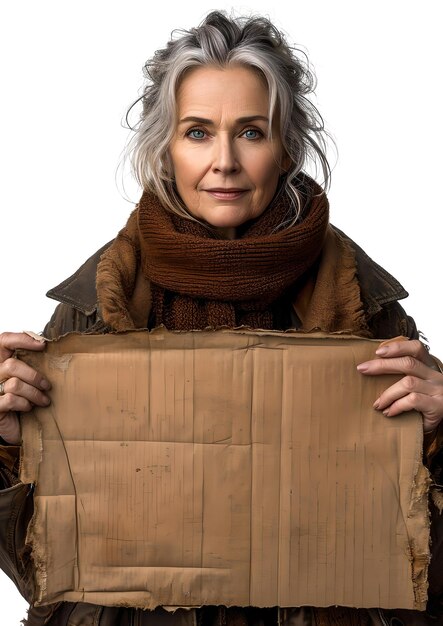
[[59, 362]]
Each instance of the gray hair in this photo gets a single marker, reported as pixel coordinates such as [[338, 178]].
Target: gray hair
[[221, 41]]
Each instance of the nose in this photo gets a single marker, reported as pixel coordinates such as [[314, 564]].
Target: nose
[[225, 160]]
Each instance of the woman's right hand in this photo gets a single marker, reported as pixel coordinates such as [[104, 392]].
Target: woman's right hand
[[22, 388]]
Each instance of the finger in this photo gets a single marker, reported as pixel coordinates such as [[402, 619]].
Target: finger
[[10, 402], [400, 365], [9, 342], [10, 428], [14, 387], [413, 348], [14, 368], [423, 403], [403, 387]]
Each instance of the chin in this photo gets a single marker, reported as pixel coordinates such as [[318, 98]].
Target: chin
[[229, 221]]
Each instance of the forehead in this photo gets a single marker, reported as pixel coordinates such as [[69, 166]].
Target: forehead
[[237, 88]]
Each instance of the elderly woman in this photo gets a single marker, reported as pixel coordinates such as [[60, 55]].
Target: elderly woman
[[229, 231]]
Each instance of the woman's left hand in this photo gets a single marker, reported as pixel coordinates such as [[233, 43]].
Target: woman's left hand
[[421, 387]]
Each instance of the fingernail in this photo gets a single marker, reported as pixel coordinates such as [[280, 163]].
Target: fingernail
[[45, 384], [376, 403], [46, 401], [382, 351], [386, 412], [362, 367]]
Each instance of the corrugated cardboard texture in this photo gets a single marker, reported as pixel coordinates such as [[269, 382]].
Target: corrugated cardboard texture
[[227, 467]]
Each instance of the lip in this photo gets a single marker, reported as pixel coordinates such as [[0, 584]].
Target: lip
[[229, 193]]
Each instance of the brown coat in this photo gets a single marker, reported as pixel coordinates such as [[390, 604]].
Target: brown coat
[[78, 311]]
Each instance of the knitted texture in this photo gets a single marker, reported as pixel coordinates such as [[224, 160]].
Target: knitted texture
[[193, 279]]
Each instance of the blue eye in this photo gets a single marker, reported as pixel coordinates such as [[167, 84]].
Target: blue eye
[[196, 133], [251, 133]]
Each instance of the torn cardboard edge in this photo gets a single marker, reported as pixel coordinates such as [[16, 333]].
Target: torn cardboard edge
[[242, 351], [36, 336]]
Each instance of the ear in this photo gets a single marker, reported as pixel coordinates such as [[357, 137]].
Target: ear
[[286, 162]]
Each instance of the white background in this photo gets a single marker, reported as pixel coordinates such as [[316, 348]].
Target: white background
[[70, 70]]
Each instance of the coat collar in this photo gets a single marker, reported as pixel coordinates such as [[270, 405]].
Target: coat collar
[[378, 287], [79, 290]]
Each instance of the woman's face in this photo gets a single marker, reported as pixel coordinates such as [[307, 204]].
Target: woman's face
[[226, 168]]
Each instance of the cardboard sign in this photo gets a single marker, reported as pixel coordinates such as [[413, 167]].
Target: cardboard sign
[[229, 467]]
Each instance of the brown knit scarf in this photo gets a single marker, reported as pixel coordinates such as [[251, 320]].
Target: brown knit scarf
[[199, 280], [191, 279]]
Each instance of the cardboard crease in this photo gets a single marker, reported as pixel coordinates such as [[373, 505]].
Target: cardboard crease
[[184, 469]]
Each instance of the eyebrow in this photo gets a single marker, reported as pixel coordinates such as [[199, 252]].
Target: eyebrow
[[240, 120]]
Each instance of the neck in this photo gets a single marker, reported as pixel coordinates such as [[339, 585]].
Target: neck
[[228, 232]]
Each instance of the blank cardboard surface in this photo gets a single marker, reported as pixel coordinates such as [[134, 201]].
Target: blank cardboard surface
[[229, 467]]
